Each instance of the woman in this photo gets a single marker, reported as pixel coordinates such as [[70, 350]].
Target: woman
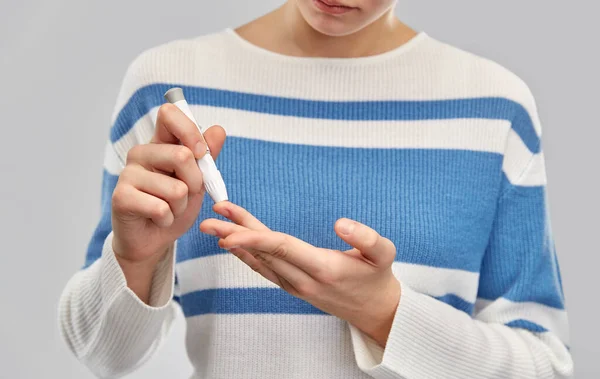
[[424, 159]]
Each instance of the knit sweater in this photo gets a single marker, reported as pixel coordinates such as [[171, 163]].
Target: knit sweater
[[433, 147]]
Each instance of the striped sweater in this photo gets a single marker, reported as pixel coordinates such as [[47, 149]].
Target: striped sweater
[[435, 148]]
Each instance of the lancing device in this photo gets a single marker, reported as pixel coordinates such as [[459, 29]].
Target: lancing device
[[213, 181]]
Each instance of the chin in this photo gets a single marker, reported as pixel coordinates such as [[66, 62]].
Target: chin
[[332, 26]]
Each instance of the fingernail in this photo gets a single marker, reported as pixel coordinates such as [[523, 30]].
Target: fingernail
[[211, 232], [231, 247], [199, 149], [346, 226], [225, 212]]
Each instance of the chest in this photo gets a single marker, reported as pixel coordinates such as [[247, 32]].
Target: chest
[[436, 205]]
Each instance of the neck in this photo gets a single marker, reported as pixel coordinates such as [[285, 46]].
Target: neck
[[285, 31]]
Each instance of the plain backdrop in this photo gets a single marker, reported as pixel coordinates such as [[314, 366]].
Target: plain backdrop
[[61, 66]]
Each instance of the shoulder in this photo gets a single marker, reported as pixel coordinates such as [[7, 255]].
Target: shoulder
[[177, 56], [474, 75], [181, 62], [174, 54]]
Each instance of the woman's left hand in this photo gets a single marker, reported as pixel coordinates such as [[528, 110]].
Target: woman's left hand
[[356, 285]]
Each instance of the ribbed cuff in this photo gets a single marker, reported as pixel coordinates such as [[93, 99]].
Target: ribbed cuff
[[430, 339], [113, 279], [367, 352], [128, 328], [417, 342], [413, 342]]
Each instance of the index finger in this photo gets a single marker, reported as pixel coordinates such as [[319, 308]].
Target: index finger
[[238, 215], [299, 253], [173, 126]]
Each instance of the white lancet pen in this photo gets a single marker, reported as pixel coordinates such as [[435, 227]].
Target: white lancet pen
[[213, 181]]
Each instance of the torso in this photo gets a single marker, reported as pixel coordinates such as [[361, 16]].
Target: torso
[[410, 144]]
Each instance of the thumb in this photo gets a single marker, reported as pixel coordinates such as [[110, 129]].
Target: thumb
[[377, 249], [215, 137]]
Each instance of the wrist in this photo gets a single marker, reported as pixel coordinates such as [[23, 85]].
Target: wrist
[[139, 274], [379, 315]]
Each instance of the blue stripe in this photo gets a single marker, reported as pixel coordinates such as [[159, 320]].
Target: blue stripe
[[528, 325], [437, 206], [457, 302], [104, 226], [244, 300], [265, 300], [520, 262], [494, 108]]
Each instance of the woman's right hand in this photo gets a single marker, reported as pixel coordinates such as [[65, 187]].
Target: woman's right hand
[[159, 194]]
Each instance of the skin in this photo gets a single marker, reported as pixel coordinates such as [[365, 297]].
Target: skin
[[160, 191], [159, 195]]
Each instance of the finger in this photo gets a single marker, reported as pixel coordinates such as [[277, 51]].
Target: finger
[[173, 126], [127, 199], [171, 190], [169, 159], [220, 228], [215, 137], [255, 265], [297, 278], [377, 249], [238, 215], [282, 246]]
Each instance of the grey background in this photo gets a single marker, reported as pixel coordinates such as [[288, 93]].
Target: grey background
[[61, 65]]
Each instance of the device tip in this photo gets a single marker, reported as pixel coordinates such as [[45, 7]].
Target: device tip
[[174, 94], [216, 189]]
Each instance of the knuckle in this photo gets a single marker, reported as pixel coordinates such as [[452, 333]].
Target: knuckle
[[128, 175], [179, 190], [182, 155], [165, 111], [119, 199], [124, 176], [161, 210], [134, 154]]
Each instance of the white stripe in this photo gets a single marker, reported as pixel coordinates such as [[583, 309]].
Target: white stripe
[[493, 136], [141, 133], [503, 311], [309, 346], [435, 281], [220, 61], [520, 165], [467, 134], [227, 271], [112, 162]]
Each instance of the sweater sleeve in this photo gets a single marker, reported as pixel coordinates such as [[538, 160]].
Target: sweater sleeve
[[103, 322], [519, 328]]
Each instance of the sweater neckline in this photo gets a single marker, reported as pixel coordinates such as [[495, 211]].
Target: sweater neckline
[[400, 50]]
